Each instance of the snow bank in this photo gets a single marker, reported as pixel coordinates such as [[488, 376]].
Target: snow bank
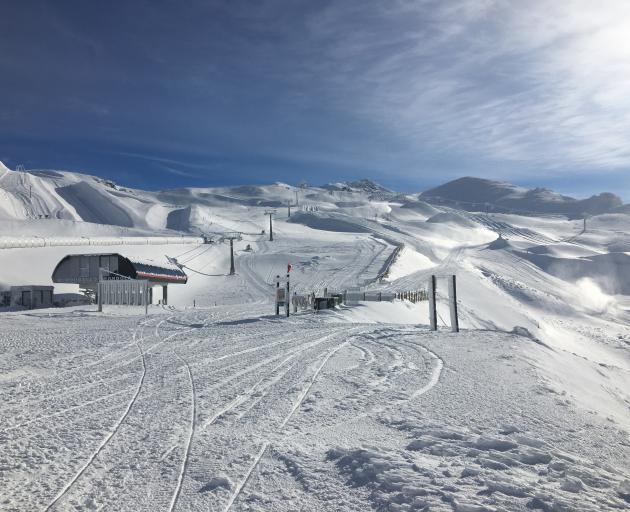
[[408, 262], [93, 206], [397, 312], [610, 271], [326, 223], [451, 218]]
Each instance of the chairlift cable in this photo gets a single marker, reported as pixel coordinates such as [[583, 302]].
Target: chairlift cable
[[202, 273], [197, 255], [186, 252]]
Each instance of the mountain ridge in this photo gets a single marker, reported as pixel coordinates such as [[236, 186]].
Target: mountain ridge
[[55, 194], [472, 194]]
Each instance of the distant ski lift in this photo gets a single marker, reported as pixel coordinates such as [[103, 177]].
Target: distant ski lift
[[231, 235]]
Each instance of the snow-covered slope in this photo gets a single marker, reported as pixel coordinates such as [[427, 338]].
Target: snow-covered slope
[[526, 408], [476, 194]]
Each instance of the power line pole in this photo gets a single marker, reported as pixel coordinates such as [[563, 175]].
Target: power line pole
[[271, 213]]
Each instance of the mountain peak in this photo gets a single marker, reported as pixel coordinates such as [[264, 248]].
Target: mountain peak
[[363, 185], [476, 194], [3, 168]]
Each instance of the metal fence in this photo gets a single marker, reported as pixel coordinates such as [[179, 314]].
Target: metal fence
[[124, 292], [352, 297]]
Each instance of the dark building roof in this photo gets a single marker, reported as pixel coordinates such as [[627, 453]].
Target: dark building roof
[[84, 269], [158, 272]]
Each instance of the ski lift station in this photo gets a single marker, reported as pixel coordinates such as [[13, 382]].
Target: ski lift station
[[87, 270]]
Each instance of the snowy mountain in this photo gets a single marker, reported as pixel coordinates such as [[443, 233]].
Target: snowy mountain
[[360, 186], [50, 194], [213, 403], [76, 197], [476, 194]]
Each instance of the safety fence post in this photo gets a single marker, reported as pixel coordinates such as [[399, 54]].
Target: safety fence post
[[432, 305], [452, 298], [287, 297]]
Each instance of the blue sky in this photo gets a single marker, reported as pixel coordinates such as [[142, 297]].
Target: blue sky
[[160, 93]]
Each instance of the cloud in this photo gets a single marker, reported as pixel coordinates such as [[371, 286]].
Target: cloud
[[542, 83], [178, 172], [416, 90]]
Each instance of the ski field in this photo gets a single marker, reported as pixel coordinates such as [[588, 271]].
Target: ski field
[[224, 406], [233, 409]]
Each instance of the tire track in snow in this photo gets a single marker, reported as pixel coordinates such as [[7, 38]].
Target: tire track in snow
[[65, 411], [436, 372], [191, 434], [272, 373], [107, 438], [72, 383], [240, 399], [193, 416], [434, 379], [132, 402], [263, 449]]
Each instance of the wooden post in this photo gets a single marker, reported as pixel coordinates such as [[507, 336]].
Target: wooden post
[[277, 288], [452, 298], [432, 304]]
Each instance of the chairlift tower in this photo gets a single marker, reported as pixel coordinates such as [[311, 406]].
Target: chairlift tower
[[271, 213], [289, 205], [231, 236]]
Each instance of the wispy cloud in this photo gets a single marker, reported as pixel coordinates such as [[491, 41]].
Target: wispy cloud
[[416, 90], [539, 82]]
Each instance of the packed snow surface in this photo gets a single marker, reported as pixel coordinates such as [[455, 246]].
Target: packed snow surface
[[224, 406]]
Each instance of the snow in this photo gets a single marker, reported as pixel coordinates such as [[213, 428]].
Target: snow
[[408, 262], [224, 406], [477, 194]]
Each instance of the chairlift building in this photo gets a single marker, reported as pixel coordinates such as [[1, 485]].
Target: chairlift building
[[86, 270]]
